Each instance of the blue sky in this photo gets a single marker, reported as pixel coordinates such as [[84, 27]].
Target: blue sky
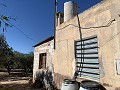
[[35, 18]]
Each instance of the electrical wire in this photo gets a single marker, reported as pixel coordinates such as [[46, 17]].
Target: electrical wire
[[107, 25], [3, 5], [111, 37], [24, 33], [109, 40], [11, 25]]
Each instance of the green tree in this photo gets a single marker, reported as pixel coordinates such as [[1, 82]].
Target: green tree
[[13, 59], [17, 57], [23, 61], [27, 62], [6, 54]]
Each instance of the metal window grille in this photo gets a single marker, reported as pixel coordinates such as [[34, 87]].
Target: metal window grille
[[86, 54]]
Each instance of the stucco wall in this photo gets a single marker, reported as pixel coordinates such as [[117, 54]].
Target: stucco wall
[[108, 41], [43, 48]]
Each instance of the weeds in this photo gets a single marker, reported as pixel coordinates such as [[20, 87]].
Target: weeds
[[44, 81]]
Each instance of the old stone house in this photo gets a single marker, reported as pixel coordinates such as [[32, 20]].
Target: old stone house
[[43, 56], [89, 44]]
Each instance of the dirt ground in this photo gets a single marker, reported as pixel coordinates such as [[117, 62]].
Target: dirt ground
[[16, 81]]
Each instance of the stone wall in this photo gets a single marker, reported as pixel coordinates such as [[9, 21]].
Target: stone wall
[[47, 48]]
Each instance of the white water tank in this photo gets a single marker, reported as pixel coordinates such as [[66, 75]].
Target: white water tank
[[70, 10]]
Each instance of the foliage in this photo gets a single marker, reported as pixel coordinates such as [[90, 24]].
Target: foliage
[[23, 61], [10, 59], [4, 20], [44, 80], [6, 54]]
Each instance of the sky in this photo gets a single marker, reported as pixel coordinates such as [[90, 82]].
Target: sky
[[34, 20]]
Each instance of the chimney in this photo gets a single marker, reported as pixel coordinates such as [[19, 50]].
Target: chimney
[[59, 18]]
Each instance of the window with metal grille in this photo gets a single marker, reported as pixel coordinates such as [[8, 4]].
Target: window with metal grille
[[86, 54]]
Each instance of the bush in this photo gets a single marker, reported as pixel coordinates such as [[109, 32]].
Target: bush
[[44, 80]]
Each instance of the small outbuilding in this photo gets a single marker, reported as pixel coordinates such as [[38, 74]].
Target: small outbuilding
[[43, 56]]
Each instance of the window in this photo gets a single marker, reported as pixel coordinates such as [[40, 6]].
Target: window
[[86, 54], [42, 60]]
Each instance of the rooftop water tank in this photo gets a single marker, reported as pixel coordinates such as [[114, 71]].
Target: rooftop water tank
[[70, 10]]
